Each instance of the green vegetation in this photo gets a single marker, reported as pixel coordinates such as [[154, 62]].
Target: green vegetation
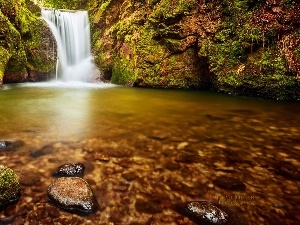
[[245, 56], [65, 4], [9, 186], [21, 40], [170, 9]]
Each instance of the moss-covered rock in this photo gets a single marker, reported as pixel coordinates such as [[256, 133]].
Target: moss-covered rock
[[23, 48], [9, 186]]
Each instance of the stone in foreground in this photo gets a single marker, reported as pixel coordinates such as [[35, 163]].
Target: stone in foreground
[[70, 170], [9, 186], [72, 194], [208, 213]]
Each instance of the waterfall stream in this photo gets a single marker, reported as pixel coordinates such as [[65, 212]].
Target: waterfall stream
[[72, 33]]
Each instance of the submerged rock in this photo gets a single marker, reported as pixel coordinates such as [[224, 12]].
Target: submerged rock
[[147, 207], [287, 170], [208, 213], [45, 150], [230, 183], [9, 186], [11, 145], [188, 158], [101, 157], [72, 194], [4, 144], [70, 170]]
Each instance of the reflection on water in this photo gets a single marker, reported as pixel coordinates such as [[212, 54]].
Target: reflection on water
[[153, 146]]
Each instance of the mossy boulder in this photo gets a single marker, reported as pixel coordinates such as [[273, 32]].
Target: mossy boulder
[[23, 49], [9, 186]]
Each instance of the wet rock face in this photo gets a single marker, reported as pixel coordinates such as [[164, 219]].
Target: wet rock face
[[207, 213], [72, 194], [230, 183], [9, 186], [70, 170]]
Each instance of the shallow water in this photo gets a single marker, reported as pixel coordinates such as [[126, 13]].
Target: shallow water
[[151, 147]]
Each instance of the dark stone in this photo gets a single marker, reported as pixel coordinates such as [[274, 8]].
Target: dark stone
[[208, 213], [170, 165], [188, 158], [125, 163], [147, 207], [72, 194], [4, 144], [11, 145], [230, 183], [101, 157], [9, 186], [287, 170], [129, 176], [45, 150], [214, 118], [70, 170], [122, 187]]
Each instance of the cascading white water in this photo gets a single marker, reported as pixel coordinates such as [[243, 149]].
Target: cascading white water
[[72, 33]]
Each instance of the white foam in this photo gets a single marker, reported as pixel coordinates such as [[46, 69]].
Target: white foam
[[71, 84]]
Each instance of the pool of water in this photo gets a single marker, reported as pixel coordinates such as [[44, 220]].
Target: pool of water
[[151, 147]]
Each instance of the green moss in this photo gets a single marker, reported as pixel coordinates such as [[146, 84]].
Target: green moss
[[13, 45], [104, 4], [4, 57], [65, 4], [266, 76], [21, 40], [9, 186], [123, 72], [171, 9]]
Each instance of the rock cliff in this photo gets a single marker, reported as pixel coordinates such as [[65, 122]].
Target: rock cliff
[[238, 47], [26, 43]]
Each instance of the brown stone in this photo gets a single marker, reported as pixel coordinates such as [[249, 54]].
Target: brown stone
[[72, 194]]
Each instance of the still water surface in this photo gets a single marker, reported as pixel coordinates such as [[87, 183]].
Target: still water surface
[[158, 147]]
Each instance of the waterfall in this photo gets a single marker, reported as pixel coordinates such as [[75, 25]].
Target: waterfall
[[72, 33]]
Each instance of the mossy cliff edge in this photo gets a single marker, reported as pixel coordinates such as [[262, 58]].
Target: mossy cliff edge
[[238, 47], [26, 43]]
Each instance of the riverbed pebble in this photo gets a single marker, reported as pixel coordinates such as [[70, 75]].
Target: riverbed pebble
[[231, 183], [208, 213], [70, 170], [287, 170]]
